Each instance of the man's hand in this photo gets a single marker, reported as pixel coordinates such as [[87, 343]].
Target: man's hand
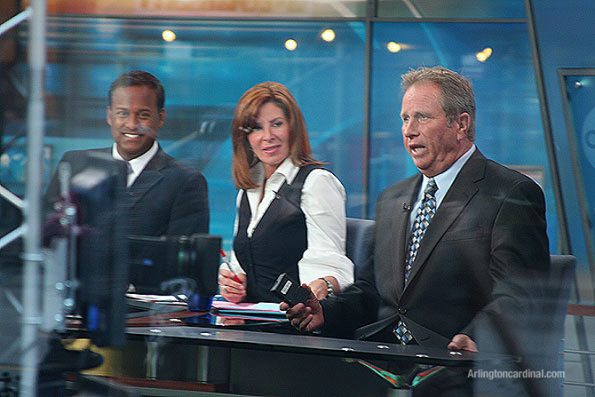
[[232, 286], [308, 317], [462, 342]]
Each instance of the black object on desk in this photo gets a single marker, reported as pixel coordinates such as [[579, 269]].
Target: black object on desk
[[155, 261]]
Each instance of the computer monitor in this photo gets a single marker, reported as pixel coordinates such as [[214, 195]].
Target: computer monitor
[[158, 260]]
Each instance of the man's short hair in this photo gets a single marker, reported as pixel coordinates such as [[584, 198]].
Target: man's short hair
[[457, 91], [139, 78]]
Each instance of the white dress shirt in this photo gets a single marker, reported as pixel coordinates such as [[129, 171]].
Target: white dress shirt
[[323, 204], [137, 164], [444, 181]]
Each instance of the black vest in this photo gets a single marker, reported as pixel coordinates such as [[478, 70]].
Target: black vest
[[278, 242]]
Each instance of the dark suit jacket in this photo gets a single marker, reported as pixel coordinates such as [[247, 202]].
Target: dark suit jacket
[[485, 251], [166, 198]]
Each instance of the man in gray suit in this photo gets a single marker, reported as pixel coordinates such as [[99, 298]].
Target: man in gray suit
[[163, 197], [459, 247]]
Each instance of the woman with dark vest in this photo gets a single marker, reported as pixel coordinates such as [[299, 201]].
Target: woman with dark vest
[[291, 211]]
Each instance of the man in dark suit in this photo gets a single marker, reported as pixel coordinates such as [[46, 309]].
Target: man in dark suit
[[163, 197], [469, 254]]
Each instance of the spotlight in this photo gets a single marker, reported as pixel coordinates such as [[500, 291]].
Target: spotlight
[[328, 35], [168, 35], [484, 54], [393, 47], [291, 44]]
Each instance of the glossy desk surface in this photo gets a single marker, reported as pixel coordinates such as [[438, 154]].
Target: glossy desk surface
[[307, 344]]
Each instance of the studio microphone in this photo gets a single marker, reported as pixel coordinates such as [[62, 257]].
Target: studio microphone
[[406, 207]]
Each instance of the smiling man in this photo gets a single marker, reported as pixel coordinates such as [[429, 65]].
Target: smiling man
[[164, 197], [135, 116]]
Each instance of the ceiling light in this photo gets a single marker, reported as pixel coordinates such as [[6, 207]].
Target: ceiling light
[[328, 35], [168, 35], [291, 44], [393, 46], [484, 54]]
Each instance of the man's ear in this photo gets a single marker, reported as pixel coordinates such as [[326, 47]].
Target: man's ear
[[463, 122], [161, 117], [108, 115]]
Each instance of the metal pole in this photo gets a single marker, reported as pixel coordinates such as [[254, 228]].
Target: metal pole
[[14, 21], [32, 256]]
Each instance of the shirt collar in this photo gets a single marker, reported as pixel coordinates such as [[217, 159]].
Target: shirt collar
[[445, 179], [286, 171], [139, 163]]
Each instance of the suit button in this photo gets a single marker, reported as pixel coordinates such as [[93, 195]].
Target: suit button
[[402, 310]]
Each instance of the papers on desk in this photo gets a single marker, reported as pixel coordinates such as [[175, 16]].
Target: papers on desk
[[220, 305], [179, 300], [261, 309]]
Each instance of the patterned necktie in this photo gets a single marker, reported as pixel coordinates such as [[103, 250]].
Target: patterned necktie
[[423, 217]]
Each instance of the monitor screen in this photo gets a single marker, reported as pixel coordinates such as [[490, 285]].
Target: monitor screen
[[158, 260]]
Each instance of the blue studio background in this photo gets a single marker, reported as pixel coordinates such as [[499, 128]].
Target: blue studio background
[[211, 63]]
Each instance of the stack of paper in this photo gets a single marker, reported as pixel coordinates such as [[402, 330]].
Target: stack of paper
[[178, 300], [260, 309]]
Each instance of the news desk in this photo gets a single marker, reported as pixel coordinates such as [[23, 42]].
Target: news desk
[[271, 359]]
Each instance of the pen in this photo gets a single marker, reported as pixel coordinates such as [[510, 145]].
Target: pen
[[235, 276]]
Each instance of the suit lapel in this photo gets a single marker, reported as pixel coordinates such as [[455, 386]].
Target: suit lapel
[[460, 193], [149, 177], [401, 227]]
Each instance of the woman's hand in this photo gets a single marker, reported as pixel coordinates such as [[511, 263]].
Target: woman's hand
[[232, 286]]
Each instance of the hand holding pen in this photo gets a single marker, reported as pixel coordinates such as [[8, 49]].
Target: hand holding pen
[[232, 285], [234, 276]]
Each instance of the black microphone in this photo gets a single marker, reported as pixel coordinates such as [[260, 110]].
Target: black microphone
[[406, 207]]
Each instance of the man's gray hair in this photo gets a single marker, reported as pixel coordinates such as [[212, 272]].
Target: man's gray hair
[[457, 92]]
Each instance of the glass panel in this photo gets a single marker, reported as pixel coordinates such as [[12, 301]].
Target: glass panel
[[580, 93], [452, 8], [509, 126], [212, 8], [204, 72]]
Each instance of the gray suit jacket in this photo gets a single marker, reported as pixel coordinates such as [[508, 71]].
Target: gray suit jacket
[[166, 198]]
